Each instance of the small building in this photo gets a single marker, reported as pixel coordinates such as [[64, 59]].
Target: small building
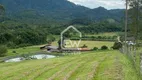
[[50, 48]]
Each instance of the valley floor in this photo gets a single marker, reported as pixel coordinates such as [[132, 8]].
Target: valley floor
[[101, 65]]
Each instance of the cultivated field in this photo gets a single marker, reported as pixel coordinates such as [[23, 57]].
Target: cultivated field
[[101, 65]]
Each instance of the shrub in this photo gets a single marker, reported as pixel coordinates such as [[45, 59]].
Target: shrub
[[95, 48], [99, 37], [84, 46], [23, 45], [50, 39], [3, 51], [104, 47], [114, 37], [11, 45], [13, 51], [117, 45]]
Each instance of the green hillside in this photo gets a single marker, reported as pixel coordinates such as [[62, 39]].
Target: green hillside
[[106, 65], [37, 11]]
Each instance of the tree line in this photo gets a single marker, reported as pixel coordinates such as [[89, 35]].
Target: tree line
[[135, 18], [21, 35]]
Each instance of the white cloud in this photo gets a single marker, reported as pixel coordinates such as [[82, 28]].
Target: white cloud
[[109, 4]]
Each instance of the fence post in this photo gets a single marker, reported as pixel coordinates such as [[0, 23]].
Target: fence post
[[131, 51], [141, 63], [135, 52]]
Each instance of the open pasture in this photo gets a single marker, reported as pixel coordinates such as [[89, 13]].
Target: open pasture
[[101, 65]]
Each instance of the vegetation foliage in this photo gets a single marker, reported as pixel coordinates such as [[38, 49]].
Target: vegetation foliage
[[104, 47], [117, 45], [31, 25], [3, 50], [135, 16]]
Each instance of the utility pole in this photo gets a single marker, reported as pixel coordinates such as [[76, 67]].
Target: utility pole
[[137, 33], [126, 25]]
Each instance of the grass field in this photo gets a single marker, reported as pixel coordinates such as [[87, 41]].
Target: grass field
[[105, 34], [101, 65], [92, 44], [24, 50], [99, 44], [34, 49]]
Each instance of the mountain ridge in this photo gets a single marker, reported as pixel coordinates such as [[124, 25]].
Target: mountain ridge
[[58, 10]]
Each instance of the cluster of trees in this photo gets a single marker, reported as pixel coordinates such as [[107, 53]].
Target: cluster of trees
[[21, 35], [3, 50], [96, 38], [100, 38], [102, 26], [87, 27], [14, 33], [135, 17]]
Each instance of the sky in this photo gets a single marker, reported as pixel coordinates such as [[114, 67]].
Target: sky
[[108, 4]]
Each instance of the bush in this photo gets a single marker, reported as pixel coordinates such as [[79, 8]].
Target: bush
[[13, 51], [11, 45], [99, 37], [24, 45], [50, 39], [117, 45], [84, 46], [95, 48], [104, 47], [3, 51]]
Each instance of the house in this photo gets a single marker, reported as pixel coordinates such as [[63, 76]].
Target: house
[[50, 48]]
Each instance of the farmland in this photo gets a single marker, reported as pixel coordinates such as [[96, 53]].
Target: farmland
[[93, 65], [100, 65], [24, 50], [36, 48], [40, 40], [92, 44]]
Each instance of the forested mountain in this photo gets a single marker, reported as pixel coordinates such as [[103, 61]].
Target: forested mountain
[[33, 22], [57, 10]]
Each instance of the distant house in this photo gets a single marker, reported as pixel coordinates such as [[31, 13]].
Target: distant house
[[50, 48], [43, 47], [131, 43], [131, 39], [56, 49]]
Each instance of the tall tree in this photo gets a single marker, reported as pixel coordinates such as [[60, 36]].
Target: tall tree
[[135, 16], [2, 12], [2, 9]]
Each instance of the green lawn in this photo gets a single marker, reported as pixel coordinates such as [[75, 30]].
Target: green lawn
[[101, 65], [20, 51]]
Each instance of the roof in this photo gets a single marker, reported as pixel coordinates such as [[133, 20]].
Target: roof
[[51, 47]]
